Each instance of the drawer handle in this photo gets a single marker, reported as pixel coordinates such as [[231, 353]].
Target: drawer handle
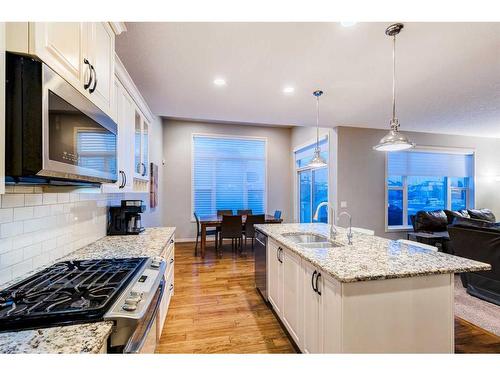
[[171, 260], [171, 287]]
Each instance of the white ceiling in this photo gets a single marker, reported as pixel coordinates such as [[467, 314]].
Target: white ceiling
[[448, 73]]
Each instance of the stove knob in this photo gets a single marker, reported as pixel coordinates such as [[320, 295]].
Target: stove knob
[[129, 307], [133, 300], [155, 263]]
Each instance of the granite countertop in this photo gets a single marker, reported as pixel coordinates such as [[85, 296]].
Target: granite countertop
[[370, 257], [90, 337]]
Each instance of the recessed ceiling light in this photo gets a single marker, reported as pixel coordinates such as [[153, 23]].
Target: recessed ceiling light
[[288, 90], [348, 24], [219, 82]]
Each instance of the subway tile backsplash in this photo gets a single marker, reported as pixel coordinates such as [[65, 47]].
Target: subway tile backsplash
[[38, 228]]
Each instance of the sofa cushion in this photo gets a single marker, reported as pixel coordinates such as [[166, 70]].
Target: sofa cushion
[[453, 214], [431, 221], [482, 214], [475, 223]]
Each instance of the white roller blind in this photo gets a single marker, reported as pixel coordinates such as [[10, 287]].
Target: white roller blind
[[429, 164], [228, 173]]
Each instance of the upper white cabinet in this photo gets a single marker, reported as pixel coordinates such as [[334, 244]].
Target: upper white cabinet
[[141, 147], [124, 113], [101, 54], [81, 52]]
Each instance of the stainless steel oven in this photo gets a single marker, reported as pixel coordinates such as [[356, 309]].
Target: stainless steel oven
[[54, 134]]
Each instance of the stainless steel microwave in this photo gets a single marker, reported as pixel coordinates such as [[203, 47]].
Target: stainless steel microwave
[[53, 133]]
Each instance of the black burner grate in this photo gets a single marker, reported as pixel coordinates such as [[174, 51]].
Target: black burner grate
[[67, 292]]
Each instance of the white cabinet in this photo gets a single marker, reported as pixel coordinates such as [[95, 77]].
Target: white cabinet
[[331, 316], [292, 295], [141, 147], [100, 49], [275, 273], [169, 255], [61, 46], [312, 307], [81, 52], [124, 114]]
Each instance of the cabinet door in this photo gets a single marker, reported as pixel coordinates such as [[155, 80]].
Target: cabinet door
[[127, 129], [330, 314], [275, 272], [60, 46], [137, 144], [292, 295], [311, 341], [145, 150], [100, 45]]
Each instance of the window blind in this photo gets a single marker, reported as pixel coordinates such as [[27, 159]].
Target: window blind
[[411, 163], [97, 150], [228, 173]]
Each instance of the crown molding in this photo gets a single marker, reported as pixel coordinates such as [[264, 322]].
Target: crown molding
[[129, 85], [118, 27]]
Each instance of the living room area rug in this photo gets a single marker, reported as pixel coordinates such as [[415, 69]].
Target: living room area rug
[[476, 311]]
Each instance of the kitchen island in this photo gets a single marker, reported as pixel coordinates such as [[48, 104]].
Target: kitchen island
[[373, 296], [89, 337]]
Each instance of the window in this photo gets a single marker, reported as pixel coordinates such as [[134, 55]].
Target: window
[[312, 184], [228, 173], [427, 180]]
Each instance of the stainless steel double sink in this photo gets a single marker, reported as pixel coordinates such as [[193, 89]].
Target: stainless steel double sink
[[310, 240]]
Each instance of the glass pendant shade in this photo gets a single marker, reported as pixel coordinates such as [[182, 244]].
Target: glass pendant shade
[[317, 161]]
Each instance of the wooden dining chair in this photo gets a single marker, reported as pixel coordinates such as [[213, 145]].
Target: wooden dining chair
[[224, 212], [249, 229], [244, 212], [231, 229], [211, 232]]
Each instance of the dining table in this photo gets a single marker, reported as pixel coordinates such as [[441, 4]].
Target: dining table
[[209, 221]]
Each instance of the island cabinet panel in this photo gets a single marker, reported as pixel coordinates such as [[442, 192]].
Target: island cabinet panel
[[311, 342], [331, 314], [407, 315], [275, 294], [292, 295]]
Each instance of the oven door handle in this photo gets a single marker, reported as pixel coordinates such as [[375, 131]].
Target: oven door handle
[[138, 338]]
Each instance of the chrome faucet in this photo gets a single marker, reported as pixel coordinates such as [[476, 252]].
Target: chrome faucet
[[349, 234], [333, 229]]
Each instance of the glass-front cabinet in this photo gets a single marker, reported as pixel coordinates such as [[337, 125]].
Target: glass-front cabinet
[[141, 147]]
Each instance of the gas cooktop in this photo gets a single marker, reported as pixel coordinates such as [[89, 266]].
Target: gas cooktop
[[68, 292]]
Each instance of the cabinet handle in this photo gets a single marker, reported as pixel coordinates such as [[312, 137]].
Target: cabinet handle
[[95, 79], [280, 251], [87, 85], [317, 289], [144, 170], [171, 286], [125, 176], [171, 260], [172, 240], [312, 280], [122, 184], [278, 254]]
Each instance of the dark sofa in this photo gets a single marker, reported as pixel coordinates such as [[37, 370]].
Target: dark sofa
[[479, 240], [436, 223]]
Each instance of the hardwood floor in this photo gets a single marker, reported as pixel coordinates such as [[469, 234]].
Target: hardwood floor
[[216, 309]]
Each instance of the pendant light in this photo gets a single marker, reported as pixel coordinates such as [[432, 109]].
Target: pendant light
[[317, 161], [394, 140]]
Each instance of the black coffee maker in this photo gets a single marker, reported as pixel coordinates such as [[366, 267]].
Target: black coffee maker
[[126, 219]]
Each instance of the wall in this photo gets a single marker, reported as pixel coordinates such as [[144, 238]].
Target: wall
[[361, 172], [176, 187]]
